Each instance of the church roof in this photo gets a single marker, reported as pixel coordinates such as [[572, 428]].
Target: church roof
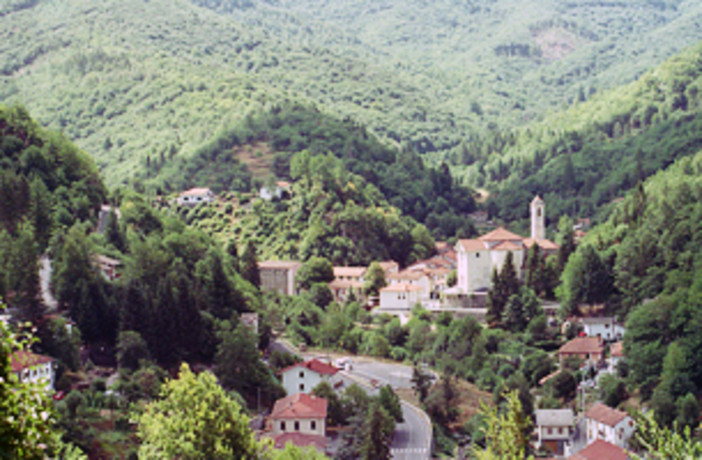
[[543, 243], [506, 246], [500, 234], [471, 245], [537, 199]]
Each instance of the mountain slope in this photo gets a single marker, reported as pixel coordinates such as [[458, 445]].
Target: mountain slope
[[127, 80], [591, 154]]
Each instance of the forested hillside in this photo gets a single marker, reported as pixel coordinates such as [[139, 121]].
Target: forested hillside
[[591, 154], [46, 185], [644, 264], [134, 80]]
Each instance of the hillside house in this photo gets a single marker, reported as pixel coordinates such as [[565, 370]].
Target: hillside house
[[279, 275], [32, 368], [554, 429], [616, 354], [299, 419], [389, 267], [195, 196], [608, 424], [303, 377], [279, 190], [417, 278], [108, 266], [600, 450], [605, 327], [588, 349], [400, 297], [341, 289], [478, 258]]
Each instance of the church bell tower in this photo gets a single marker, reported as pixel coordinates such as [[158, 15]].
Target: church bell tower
[[538, 218]]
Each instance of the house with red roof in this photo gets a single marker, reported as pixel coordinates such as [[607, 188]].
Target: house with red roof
[[605, 423], [477, 258], [588, 349], [303, 377], [33, 368], [299, 419], [600, 450]]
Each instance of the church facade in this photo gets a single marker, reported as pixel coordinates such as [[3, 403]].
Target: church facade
[[477, 258]]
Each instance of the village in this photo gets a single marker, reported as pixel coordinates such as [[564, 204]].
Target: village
[[455, 281]]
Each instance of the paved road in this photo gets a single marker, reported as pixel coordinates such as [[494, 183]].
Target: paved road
[[412, 439], [45, 283]]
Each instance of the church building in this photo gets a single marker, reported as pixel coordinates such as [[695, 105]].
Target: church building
[[477, 258]]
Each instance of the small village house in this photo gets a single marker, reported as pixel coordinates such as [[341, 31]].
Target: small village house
[[277, 190], [605, 327], [299, 419], [399, 297], [588, 349], [554, 429], [108, 266], [616, 354], [279, 275], [608, 424], [303, 377], [33, 368], [416, 278], [195, 196]]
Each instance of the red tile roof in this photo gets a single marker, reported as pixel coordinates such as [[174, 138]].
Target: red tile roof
[[401, 287], [406, 275], [605, 414], [300, 440], [298, 406], [617, 349], [314, 365], [506, 246], [600, 450], [544, 244], [582, 345], [356, 272], [196, 192], [500, 234], [279, 264], [24, 359], [472, 245]]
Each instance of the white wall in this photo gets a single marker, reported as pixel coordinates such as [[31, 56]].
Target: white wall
[[301, 380], [306, 426], [617, 435], [393, 300]]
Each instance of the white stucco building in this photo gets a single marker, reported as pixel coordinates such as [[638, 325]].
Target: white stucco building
[[399, 297], [479, 257], [32, 368], [299, 419], [554, 429], [195, 196], [303, 377], [605, 327], [608, 424]]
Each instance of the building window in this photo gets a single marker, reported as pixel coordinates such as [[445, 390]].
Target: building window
[[549, 431], [302, 387], [477, 255], [313, 425], [282, 426], [560, 430], [297, 426], [302, 375]]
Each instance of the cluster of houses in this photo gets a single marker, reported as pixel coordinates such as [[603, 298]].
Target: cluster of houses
[[607, 430]]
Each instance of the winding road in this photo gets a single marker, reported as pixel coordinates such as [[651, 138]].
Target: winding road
[[412, 439]]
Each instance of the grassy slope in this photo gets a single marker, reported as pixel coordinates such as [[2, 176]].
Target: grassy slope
[[130, 79]]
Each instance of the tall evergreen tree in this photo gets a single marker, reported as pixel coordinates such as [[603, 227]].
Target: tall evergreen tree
[[249, 264], [504, 285]]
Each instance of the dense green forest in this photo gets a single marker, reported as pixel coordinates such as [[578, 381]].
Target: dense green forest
[[46, 184], [584, 158], [130, 80], [645, 262]]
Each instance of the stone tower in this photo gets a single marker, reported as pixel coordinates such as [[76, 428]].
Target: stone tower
[[538, 218]]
